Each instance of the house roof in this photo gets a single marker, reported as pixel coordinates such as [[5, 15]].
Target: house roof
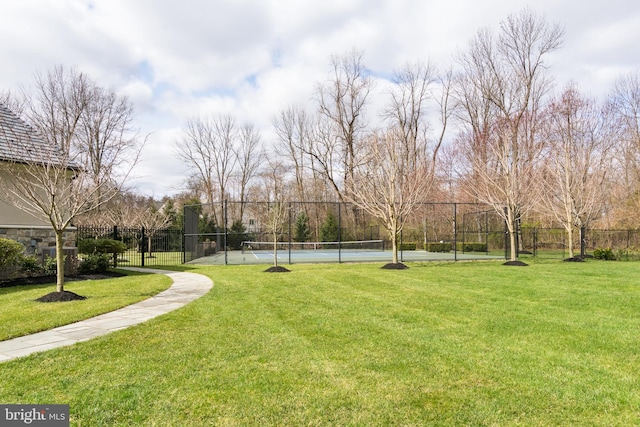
[[19, 142]]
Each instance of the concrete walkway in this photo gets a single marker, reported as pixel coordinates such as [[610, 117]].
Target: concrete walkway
[[186, 288]]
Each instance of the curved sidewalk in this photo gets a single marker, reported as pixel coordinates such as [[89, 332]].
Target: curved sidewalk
[[186, 287]]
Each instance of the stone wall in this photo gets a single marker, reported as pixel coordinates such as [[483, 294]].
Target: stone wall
[[36, 239]]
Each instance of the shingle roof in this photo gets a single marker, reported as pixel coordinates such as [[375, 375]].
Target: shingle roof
[[19, 142]]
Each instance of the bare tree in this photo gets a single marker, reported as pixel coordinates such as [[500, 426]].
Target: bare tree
[[152, 220], [625, 104], [249, 155], [51, 175], [342, 102], [208, 148], [107, 134], [387, 187], [275, 189], [56, 110], [406, 109], [577, 161], [12, 102], [129, 210], [292, 129], [121, 210], [502, 88], [399, 165], [325, 153]]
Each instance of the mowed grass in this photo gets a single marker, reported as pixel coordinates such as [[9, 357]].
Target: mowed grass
[[156, 259], [439, 344], [20, 314]]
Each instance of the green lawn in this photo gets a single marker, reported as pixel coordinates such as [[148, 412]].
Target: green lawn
[[22, 315], [156, 259], [439, 344]]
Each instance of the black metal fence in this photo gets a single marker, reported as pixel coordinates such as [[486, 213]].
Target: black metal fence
[[554, 242], [215, 233], [145, 247]]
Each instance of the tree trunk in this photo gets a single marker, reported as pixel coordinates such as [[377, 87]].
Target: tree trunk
[[59, 261], [513, 244], [570, 241], [275, 250], [512, 228], [393, 233], [149, 243]]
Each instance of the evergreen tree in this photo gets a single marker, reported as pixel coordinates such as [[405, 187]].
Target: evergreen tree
[[302, 231], [170, 211], [237, 234], [330, 230]]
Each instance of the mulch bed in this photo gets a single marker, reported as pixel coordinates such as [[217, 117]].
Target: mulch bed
[[394, 266], [63, 296], [277, 269], [516, 263], [574, 259]]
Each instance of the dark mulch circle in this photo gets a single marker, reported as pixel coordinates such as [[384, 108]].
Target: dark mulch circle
[[60, 297], [277, 269], [394, 266], [574, 259], [516, 263]]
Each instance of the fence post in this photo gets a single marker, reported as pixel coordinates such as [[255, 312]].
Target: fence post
[[455, 232], [115, 255], [226, 230], [339, 232], [289, 210], [486, 230], [143, 243]]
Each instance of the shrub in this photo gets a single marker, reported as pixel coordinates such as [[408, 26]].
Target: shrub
[[605, 254], [30, 265], [439, 247], [95, 263], [408, 246], [101, 246], [10, 253], [50, 266], [472, 247]]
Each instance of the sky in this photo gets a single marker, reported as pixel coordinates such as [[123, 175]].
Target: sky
[[252, 58]]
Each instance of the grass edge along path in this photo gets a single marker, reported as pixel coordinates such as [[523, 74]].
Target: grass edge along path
[[438, 344], [22, 315]]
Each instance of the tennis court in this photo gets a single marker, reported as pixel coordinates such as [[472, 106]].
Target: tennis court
[[319, 252]]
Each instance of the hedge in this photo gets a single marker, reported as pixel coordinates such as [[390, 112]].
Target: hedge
[[407, 246], [439, 247], [472, 247]]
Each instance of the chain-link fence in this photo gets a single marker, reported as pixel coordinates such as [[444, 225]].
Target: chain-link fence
[[231, 233]]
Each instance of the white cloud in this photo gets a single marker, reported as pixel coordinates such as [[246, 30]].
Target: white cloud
[[251, 59]]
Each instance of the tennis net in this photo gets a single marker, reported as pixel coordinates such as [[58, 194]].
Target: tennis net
[[354, 245]]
